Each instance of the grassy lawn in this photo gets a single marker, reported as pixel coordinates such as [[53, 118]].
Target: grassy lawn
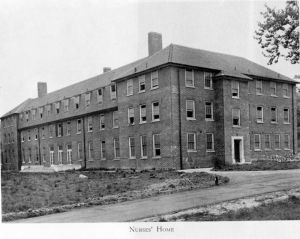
[[261, 165], [28, 191], [284, 210]]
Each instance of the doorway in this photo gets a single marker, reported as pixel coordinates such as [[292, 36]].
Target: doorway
[[237, 149]]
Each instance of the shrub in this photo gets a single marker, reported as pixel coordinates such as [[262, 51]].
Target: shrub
[[217, 163]]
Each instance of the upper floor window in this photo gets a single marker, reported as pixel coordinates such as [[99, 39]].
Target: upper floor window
[[66, 104], [257, 142], [79, 126], [59, 132], [100, 95], [273, 88], [102, 152], [69, 128], [277, 141], [90, 124], [43, 132], [259, 114], [191, 141], [102, 123], [259, 87], [285, 90], [190, 109], [29, 135], [115, 119], [33, 113], [208, 83], [113, 91], [41, 111], [209, 111], [189, 78], [286, 115], [49, 109], [142, 85], [155, 111], [129, 87], [235, 89], [273, 115], [57, 107], [50, 129], [236, 115], [210, 147], [154, 80], [143, 116], [131, 116], [87, 99], [76, 101]]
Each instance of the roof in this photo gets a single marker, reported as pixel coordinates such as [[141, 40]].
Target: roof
[[229, 65]]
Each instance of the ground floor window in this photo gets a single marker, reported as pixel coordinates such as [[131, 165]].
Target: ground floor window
[[286, 141], [69, 154], [191, 141], [131, 147], [144, 146], [60, 154], [79, 151], [156, 145], [116, 148], [210, 147], [267, 141], [277, 141], [51, 155], [91, 150], [257, 143], [103, 153]]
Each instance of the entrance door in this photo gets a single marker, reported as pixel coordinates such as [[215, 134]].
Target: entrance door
[[237, 152], [237, 148]]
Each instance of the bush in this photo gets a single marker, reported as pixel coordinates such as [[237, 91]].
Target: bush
[[217, 163]]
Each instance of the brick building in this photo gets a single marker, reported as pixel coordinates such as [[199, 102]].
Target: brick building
[[177, 108]]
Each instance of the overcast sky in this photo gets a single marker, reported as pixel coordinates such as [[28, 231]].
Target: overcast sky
[[63, 42]]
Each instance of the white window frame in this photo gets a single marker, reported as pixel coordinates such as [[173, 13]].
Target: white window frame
[[233, 125], [212, 111], [66, 105], [153, 146], [79, 129], [68, 128], [288, 114], [262, 114], [275, 87], [289, 142], [269, 140], [51, 156], [193, 81], [254, 145], [187, 142], [113, 94], [100, 96], [259, 85], [238, 89], [102, 155], [152, 78], [211, 81], [129, 149], [115, 151], [287, 95], [276, 115], [155, 120], [277, 148], [143, 121], [60, 155], [212, 143], [87, 99], [102, 121], [186, 109], [129, 116], [90, 124], [142, 81], [143, 156], [129, 86], [76, 102], [114, 118], [69, 154]]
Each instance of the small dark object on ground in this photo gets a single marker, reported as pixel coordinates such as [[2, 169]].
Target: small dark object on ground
[[216, 180]]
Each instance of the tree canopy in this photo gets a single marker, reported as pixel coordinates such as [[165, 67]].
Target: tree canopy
[[278, 34]]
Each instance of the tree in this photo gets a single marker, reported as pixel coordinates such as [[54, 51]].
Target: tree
[[278, 34]]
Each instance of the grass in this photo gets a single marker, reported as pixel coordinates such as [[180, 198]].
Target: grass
[[260, 165], [29, 191], [284, 210]]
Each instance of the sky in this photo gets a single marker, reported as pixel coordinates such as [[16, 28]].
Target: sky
[[63, 42]]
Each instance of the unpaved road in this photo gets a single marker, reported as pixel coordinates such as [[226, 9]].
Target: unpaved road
[[241, 184]]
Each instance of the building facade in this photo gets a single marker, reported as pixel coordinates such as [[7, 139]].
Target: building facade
[[177, 108]]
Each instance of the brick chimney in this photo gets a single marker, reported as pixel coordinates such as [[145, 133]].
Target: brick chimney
[[106, 69], [154, 42], [42, 89]]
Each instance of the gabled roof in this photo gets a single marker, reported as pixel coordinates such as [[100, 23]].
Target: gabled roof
[[227, 64]]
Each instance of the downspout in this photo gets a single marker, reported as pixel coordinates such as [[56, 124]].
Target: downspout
[[179, 105], [84, 146], [293, 105], [39, 144]]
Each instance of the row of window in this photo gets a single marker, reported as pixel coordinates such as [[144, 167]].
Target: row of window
[[274, 115], [142, 83], [267, 142]]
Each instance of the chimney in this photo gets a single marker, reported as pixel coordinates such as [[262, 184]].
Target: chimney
[[154, 42], [106, 69], [42, 89]]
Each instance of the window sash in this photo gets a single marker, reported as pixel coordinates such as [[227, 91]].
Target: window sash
[[259, 87], [273, 115], [191, 141], [277, 141], [90, 124], [115, 119], [156, 145], [286, 115], [131, 147], [259, 114], [209, 142], [102, 123], [129, 87], [208, 80], [235, 89], [273, 88], [257, 142], [287, 141], [267, 141], [236, 117], [155, 111], [116, 148], [189, 78], [208, 110], [190, 109], [154, 80], [142, 85], [143, 146], [143, 116], [103, 153], [131, 116]]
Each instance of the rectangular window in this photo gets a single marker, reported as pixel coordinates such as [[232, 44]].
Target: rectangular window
[[69, 128], [41, 112], [190, 109], [154, 80], [142, 84], [59, 132], [209, 111], [116, 148], [156, 145], [259, 87], [87, 99], [235, 89], [33, 112], [130, 116], [144, 146], [286, 141], [51, 154], [257, 143], [113, 91], [43, 132], [273, 89], [236, 117], [115, 119], [277, 141], [50, 129], [103, 154], [267, 141], [57, 107], [155, 111], [100, 96], [60, 155], [189, 78], [66, 105], [273, 115], [131, 147], [143, 117], [286, 116], [79, 126], [259, 114], [129, 87], [191, 142], [90, 124], [285, 90], [49, 109], [79, 151], [91, 150], [69, 154], [208, 83], [210, 147], [102, 122], [76, 101]]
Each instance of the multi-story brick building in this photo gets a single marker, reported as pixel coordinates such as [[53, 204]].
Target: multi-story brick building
[[177, 108]]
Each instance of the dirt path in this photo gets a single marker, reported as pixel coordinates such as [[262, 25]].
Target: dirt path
[[242, 184]]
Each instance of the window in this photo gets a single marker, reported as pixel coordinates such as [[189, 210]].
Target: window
[[190, 109], [142, 85], [79, 151], [155, 111], [259, 114], [273, 88], [267, 141], [66, 105], [102, 123], [41, 111], [143, 117], [27, 116], [57, 107], [60, 154], [257, 143], [285, 90], [51, 154], [69, 154], [130, 116], [116, 148], [59, 132], [29, 155], [154, 80], [43, 132], [79, 126], [51, 131], [77, 101], [235, 89], [100, 96], [286, 116], [156, 145], [273, 115], [286, 141], [115, 119], [189, 78], [208, 84], [210, 147], [236, 117], [277, 141], [33, 112], [131, 147], [209, 111], [129, 87], [49, 109], [191, 142], [68, 128], [87, 99], [113, 91], [103, 154], [144, 146], [259, 87], [91, 150], [90, 124], [36, 134]]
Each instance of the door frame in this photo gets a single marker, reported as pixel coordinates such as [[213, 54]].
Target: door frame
[[242, 151]]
